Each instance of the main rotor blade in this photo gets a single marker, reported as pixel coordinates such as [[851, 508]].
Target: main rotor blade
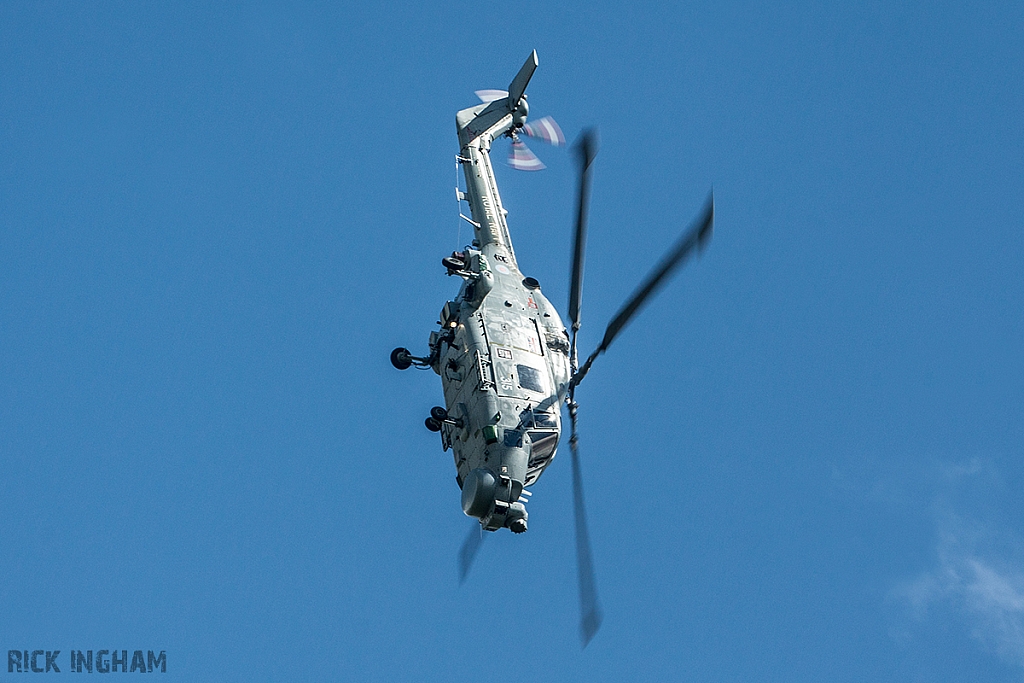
[[696, 237], [467, 553], [590, 608], [586, 149]]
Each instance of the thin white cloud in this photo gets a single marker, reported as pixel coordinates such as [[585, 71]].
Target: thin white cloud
[[977, 573], [959, 470], [996, 599]]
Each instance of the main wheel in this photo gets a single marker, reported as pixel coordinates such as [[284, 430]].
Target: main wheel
[[400, 358], [432, 424], [439, 413], [453, 263]]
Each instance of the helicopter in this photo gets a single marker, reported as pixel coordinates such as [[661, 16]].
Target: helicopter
[[506, 360]]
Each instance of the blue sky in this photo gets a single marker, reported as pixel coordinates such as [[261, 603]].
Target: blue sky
[[803, 460]]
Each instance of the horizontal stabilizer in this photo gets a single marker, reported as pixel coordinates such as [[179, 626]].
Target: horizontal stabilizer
[[518, 85]]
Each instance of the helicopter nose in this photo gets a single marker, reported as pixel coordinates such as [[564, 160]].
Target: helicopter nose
[[486, 497], [478, 493]]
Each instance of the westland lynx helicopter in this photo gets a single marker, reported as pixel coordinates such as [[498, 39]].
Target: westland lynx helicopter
[[506, 361]]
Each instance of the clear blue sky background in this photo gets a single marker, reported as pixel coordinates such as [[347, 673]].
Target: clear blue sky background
[[803, 461]]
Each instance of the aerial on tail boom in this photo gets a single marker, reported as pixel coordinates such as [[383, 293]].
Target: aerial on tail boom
[[506, 361]]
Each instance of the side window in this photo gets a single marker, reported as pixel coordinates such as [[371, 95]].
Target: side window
[[530, 378]]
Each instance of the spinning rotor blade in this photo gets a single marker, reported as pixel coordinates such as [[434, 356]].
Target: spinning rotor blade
[[695, 238], [487, 96], [545, 129], [467, 553], [586, 150], [590, 608], [521, 158]]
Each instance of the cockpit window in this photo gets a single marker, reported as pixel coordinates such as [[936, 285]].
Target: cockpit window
[[543, 419], [513, 438], [530, 378], [536, 418], [543, 445]]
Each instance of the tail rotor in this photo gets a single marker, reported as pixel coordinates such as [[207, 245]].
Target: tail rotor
[[545, 129]]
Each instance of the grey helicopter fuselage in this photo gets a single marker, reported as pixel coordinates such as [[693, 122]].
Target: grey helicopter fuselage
[[507, 362], [502, 351]]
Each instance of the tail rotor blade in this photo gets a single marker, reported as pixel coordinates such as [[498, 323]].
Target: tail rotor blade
[[696, 237], [487, 96], [590, 609], [468, 551], [522, 159], [545, 129]]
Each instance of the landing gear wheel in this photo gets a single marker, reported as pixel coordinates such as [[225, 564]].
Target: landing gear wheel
[[453, 264], [439, 413], [400, 358], [432, 424]]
